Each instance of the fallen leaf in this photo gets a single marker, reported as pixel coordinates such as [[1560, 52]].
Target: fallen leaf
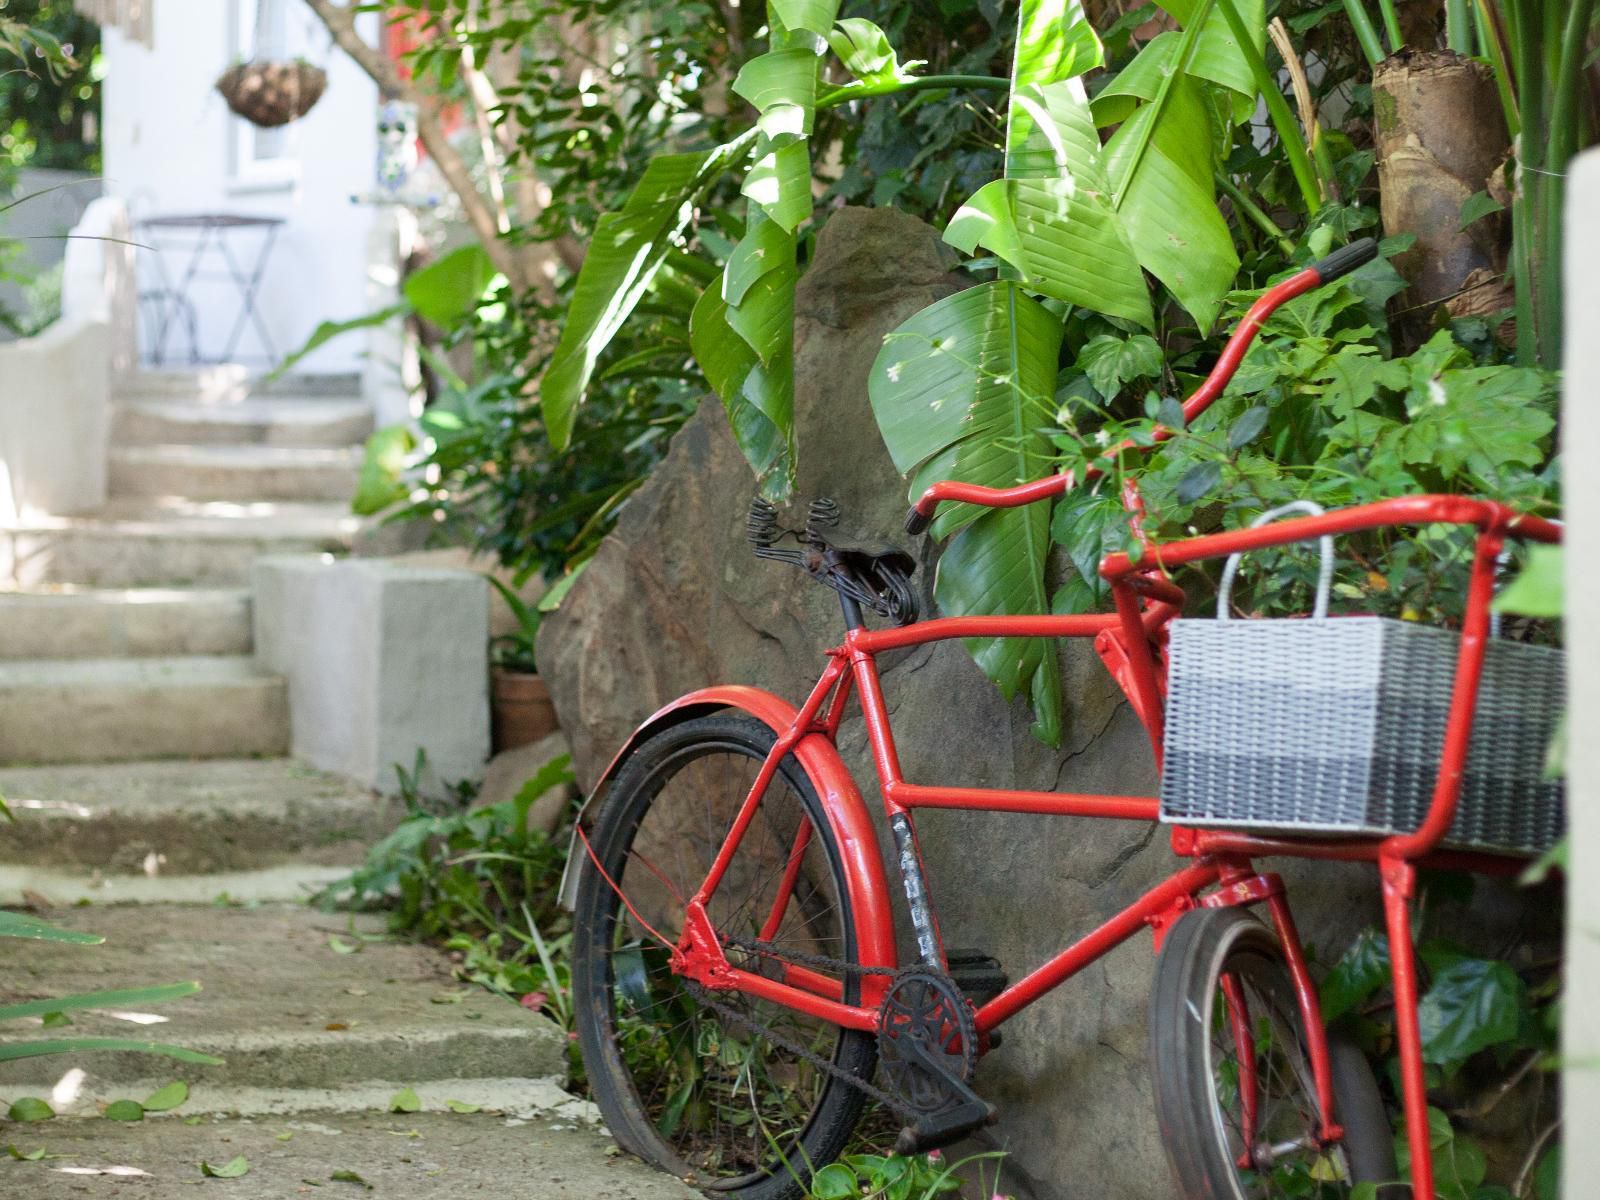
[[30, 1108], [336, 1027], [55, 1020], [354, 992], [168, 1098], [339, 946], [447, 997], [461, 1106], [405, 1101], [124, 1110], [284, 1137], [232, 1169], [31, 1156], [193, 1120], [349, 1177]]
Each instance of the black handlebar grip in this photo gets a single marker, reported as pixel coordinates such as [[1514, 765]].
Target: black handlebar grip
[[917, 523], [1346, 259]]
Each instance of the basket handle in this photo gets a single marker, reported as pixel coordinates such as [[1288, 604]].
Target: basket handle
[[1324, 576]]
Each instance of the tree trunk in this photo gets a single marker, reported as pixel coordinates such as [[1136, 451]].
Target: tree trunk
[[1441, 136]]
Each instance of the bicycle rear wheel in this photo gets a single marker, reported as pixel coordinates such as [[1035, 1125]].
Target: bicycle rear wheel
[[1234, 1091], [703, 1094]]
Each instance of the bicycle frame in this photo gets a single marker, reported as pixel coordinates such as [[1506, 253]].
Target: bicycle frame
[[1129, 640]]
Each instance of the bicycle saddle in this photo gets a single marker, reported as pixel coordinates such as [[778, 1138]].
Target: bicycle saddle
[[874, 574]]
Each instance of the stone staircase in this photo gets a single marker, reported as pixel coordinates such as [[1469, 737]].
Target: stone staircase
[[133, 714]]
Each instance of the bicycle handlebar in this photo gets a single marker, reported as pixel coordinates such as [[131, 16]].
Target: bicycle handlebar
[[1336, 265]]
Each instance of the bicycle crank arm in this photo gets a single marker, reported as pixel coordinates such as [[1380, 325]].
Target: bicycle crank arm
[[933, 1130]]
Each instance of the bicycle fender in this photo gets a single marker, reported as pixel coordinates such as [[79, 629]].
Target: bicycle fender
[[843, 806]]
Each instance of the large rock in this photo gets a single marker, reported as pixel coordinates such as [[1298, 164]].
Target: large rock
[[674, 601]]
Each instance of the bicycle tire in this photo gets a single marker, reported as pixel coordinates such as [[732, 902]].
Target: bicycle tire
[[1198, 1096], [632, 1100]]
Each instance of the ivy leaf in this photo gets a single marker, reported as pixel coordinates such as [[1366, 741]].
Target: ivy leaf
[[1357, 976], [1471, 1005], [1110, 362], [1538, 590], [1247, 428], [234, 1168]]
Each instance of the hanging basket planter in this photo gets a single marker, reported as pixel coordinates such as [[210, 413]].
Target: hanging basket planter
[[270, 94]]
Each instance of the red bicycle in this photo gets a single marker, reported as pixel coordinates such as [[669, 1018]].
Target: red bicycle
[[738, 988]]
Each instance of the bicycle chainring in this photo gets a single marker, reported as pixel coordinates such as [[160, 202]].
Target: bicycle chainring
[[928, 1008]]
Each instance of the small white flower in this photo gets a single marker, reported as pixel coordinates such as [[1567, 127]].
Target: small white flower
[[894, 372], [1103, 437], [1436, 396]]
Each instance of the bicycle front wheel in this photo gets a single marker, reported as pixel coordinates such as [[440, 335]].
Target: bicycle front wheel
[[736, 1102], [1234, 1091]]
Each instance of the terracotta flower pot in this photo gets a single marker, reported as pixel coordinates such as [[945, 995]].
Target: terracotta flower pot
[[521, 712]]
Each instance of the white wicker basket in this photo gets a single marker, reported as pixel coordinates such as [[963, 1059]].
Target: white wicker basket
[[1335, 726]]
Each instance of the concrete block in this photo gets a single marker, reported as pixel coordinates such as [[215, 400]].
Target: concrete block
[[1580, 1045], [55, 417], [382, 660]]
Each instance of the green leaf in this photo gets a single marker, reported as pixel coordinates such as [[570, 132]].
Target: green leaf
[[1247, 428], [963, 391], [864, 49], [56, 1020], [624, 255], [31, 1156], [1478, 206], [1110, 361], [446, 291], [748, 390], [120, 998], [339, 946], [343, 1176], [405, 1101], [1055, 41], [1357, 976], [1161, 164], [1538, 590], [124, 1110], [15, 925], [461, 1106], [1217, 55], [326, 331], [813, 16], [11, 1051], [1051, 217], [834, 1182], [1472, 1004], [234, 1168], [780, 182], [29, 1108], [1547, 1175], [168, 1098], [782, 85], [1198, 481], [382, 482]]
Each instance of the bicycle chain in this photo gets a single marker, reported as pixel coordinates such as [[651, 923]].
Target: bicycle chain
[[705, 996]]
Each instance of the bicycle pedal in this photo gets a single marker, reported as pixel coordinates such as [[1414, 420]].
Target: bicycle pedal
[[940, 1129], [980, 976]]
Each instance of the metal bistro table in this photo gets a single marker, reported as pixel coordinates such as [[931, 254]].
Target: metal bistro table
[[208, 236]]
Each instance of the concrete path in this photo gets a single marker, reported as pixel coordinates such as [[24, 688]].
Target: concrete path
[[321, 1023]]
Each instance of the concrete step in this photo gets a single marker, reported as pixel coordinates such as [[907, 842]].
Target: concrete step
[[281, 1005], [265, 421], [225, 472], [170, 542], [87, 829], [124, 709], [228, 383], [123, 622], [507, 1151]]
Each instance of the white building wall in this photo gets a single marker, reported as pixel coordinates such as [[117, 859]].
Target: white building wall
[[173, 147]]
